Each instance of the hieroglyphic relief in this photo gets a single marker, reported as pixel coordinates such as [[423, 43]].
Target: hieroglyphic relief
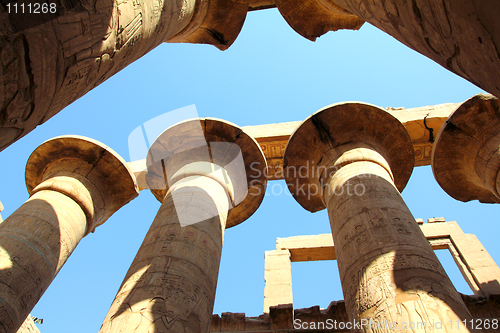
[[16, 88], [274, 151], [376, 292], [422, 153], [50, 61], [170, 286], [377, 242]]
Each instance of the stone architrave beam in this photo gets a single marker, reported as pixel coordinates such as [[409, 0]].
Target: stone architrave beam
[[353, 159], [75, 184], [50, 59], [273, 138], [208, 174]]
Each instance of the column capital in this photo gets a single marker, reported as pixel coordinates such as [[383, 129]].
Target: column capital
[[465, 158], [191, 147], [214, 22], [85, 170], [312, 19], [330, 132]]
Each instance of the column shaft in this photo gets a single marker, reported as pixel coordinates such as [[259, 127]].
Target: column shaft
[[75, 185], [278, 278], [388, 270], [461, 35], [51, 59], [36, 240], [170, 286]]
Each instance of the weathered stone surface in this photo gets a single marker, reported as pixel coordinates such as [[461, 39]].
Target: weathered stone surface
[[231, 322], [479, 270], [466, 157], [316, 153], [281, 316], [200, 170], [28, 326], [50, 60], [215, 22], [484, 308], [387, 268], [278, 279], [435, 220], [336, 313], [308, 248], [1, 209], [477, 267], [313, 18], [260, 4], [75, 184]]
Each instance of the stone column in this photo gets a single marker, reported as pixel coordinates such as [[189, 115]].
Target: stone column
[[75, 185], [278, 278], [353, 159], [463, 36], [209, 175], [465, 156], [53, 57]]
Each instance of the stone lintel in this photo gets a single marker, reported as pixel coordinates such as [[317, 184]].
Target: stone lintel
[[273, 138], [308, 248], [436, 220]]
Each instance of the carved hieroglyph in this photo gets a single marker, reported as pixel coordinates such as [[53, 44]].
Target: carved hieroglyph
[[75, 185], [479, 270], [48, 60], [170, 286], [194, 169], [361, 156]]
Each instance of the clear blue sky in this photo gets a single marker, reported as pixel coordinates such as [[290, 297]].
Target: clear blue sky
[[269, 75]]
